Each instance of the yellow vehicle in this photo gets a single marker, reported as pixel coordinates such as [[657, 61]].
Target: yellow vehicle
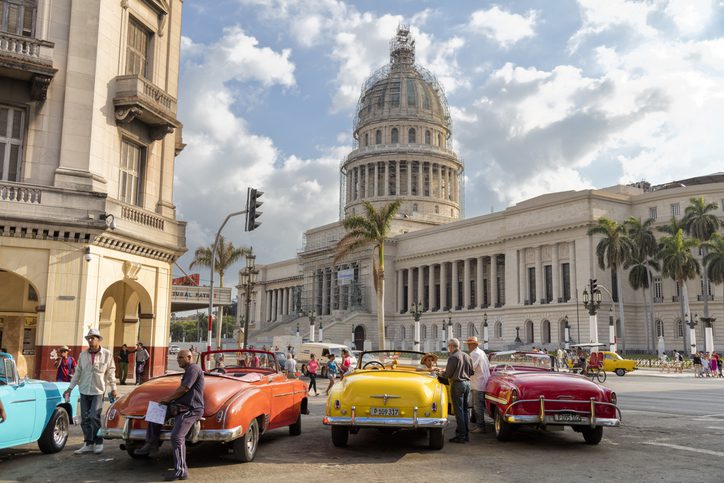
[[388, 390], [613, 362]]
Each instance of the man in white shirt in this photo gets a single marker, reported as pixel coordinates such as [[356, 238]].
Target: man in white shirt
[[94, 372], [291, 366], [481, 366]]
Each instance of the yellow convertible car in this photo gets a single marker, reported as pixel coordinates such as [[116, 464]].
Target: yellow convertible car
[[613, 362], [388, 389]]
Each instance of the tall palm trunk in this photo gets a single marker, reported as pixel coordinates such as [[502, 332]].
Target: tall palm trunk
[[652, 327], [619, 286], [647, 321], [381, 297], [705, 291], [687, 312]]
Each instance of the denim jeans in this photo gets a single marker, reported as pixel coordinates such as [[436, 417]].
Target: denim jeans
[[479, 407], [90, 413], [459, 392]]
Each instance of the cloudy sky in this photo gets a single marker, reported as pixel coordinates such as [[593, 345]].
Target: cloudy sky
[[545, 96]]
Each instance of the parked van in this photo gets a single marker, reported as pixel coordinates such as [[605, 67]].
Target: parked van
[[321, 350]]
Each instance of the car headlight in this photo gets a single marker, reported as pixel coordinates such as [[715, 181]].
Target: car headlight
[[220, 416], [513, 395], [613, 399]]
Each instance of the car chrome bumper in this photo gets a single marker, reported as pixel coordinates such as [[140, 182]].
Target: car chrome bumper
[[385, 422], [546, 414], [195, 435]]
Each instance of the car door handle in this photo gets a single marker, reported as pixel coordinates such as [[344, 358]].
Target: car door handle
[[22, 401]]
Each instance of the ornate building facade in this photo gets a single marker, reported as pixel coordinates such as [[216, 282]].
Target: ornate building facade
[[88, 140], [521, 270]]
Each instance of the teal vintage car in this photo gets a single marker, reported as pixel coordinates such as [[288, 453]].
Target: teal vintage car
[[36, 410]]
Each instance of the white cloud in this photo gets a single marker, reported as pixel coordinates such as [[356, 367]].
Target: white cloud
[[503, 27], [690, 16], [601, 16]]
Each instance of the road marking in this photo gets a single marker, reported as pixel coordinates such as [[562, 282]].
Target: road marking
[[686, 448], [715, 427]]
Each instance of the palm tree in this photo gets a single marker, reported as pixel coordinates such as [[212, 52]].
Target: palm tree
[[641, 265], [701, 223], [714, 260], [372, 229], [674, 225], [678, 263], [612, 251], [226, 255]]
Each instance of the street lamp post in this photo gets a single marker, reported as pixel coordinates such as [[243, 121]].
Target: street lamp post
[[312, 317], [611, 331], [321, 332], [248, 281], [485, 331], [443, 331], [708, 333], [567, 333], [691, 323], [352, 344], [592, 302], [416, 311], [297, 329], [449, 325]]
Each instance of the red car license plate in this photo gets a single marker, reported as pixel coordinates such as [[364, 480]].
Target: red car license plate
[[567, 418]]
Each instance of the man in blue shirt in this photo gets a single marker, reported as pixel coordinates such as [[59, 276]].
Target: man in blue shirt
[[189, 399]]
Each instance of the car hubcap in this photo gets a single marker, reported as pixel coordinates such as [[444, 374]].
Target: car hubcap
[[497, 422], [251, 440], [60, 431]]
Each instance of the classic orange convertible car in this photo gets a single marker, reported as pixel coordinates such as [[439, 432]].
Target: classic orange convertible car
[[247, 397]]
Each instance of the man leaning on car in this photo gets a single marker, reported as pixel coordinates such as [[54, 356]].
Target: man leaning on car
[[458, 371], [186, 403]]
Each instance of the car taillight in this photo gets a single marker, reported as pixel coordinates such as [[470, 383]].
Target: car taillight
[[112, 413], [434, 407], [220, 416], [337, 404], [513, 395], [614, 399]]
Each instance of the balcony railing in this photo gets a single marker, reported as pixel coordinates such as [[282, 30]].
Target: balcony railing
[[20, 194], [413, 148], [28, 59], [139, 98]]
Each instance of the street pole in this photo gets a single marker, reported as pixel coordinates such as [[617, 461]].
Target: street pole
[[321, 332], [692, 332], [567, 333], [592, 303], [611, 332], [485, 331], [416, 311], [213, 266], [708, 333]]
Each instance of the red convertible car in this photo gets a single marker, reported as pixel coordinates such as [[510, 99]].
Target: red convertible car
[[523, 390], [247, 397]]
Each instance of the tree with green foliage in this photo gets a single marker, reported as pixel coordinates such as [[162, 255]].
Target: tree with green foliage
[[612, 251], [641, 264], [701, 223], [373, 229], [714, 260], [679, 264]]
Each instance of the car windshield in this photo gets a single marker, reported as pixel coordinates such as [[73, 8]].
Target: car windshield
[[241, 360], [389, 358], [521, 359]]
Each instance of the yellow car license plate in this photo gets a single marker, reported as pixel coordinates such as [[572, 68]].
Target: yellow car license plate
[[384, 412]]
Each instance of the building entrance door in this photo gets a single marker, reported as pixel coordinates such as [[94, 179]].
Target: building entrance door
[[359, 337]]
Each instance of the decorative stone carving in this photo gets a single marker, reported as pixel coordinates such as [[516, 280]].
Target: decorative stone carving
[[546, 252], [564, 250], [130, 270], [158, 132], [39, 87], [126, 114]]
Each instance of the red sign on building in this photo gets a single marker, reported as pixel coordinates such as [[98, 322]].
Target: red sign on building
[[190, 280]]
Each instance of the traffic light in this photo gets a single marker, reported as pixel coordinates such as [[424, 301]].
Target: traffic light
[[252, 203], [594, 285]]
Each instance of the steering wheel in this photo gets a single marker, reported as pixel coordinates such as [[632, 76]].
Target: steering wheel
[[220, 370], [373, 362], [508, 367]]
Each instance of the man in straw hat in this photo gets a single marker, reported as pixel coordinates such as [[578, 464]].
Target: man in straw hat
[[95, 371], [65, 365], [481, 366]]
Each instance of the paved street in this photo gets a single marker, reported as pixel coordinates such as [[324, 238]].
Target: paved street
[[673, 428]]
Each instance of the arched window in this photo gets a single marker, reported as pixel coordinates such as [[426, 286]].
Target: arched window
[[367, 139], [439, 140], [471, 330], [411, 135], [659, 328], [402, 332], [427, 137], [378, 137], [458, 330], [529, 337], [562, 330], [423, 332], [498, 330], [395, 135], [679, 328], [545, 332]]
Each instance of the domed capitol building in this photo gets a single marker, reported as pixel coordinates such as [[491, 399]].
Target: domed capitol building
[[520, 271]]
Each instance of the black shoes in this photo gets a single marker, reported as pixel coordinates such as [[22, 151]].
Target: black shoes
[[173, 476], [458, 440]]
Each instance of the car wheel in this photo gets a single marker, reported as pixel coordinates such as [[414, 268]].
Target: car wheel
[[55, 434], [503, 430], [296, 428], [436, 438], [593, 435], [621, 372], [340, 435], [245, 447]]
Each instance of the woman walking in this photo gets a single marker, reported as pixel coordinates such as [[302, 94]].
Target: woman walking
[[332, 370], [312, 369]]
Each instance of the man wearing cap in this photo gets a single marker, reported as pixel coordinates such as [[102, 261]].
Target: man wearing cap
[[458, 370], [95, 371], [481, 366], [65, 364]]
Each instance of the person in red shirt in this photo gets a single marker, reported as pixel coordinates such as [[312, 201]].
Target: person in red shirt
[[346, 362], [312, 370], [65, 364]]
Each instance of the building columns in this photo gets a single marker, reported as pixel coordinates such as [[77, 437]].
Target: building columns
[[538, 275], [466, 283], [479, 282], [400, 288], [493, 280], [522, 277], [454, 281], [431, 285], [420, 284], [443, 286], [410, 288], [555, 273]]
